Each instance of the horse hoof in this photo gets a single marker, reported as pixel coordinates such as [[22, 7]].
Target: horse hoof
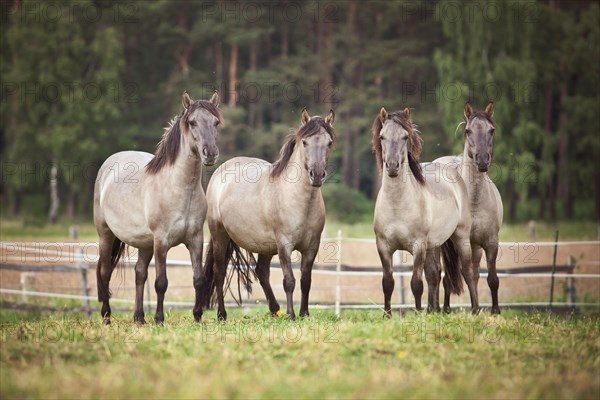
[[222, 316], [198, 317], [495, 311], [447, 310], [106, 320], [159, 319], [387, 314], [304, 314], [139, 318]]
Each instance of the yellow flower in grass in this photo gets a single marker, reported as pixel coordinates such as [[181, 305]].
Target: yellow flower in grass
[[279, 313], [401, 354]]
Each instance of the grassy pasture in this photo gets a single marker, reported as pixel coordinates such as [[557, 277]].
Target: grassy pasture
[[361, 355]]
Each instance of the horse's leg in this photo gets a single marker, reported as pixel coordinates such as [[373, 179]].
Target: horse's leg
[[196, 247], [220, 271], [289, 282], [308, 259], [469, 272], [432, 274], [141, 275], [161, 283], [105, 269], [491, 253], [387, 282], [263, 271], [416, 282], [446, 283]]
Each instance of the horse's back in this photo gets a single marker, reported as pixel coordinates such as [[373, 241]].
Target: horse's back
[[118, 197]]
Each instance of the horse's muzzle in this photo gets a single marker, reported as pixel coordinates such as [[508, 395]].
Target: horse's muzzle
[[392, 172], [316, 178], [208, 157], [483, 167]]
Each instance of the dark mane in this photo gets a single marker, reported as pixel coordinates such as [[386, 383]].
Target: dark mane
[[311, 128], [414, 142], [169, 146]]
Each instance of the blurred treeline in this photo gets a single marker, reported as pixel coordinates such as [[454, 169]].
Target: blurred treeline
[[82, 80]]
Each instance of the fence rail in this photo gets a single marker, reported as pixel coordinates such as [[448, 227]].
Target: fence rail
[[81, 265]]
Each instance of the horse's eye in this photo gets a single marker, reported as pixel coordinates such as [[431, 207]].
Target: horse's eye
[[192, 123], [217, 123], [468, 131], [381, 137], [405, 138], [492, 131], [305, 143]]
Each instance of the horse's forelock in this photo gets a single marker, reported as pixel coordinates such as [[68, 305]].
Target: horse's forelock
[[208, 106], [309, 129], [482, 115], [313, 127]]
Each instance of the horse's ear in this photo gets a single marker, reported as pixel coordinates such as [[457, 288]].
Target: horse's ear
[[489, 110], [468, 111], [383, 115], [305, 117], [330, 117], [215, 99], [407, 114], [186, 100]]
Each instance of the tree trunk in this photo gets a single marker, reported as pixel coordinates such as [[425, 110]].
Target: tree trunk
[[233, 60], [18, 195], [562, 189], [597, 195], [183, 50], [218, 48], [54, 201], [285, 44], [72, 205], [251, 100]]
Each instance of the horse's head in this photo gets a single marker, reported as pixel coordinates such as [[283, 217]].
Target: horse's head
[[314, 141], [480, 129], [394, 140], [199, 124]]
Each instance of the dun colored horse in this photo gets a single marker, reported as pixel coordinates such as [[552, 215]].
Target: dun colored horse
[[270, 209], [156, 202], [484, 198], [418, 213]]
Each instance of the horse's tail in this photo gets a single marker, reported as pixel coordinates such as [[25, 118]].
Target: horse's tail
[[452, 267], [243, 265], [117, 251]]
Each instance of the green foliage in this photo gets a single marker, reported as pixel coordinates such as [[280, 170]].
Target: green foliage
[[537, 61], [347, 205]]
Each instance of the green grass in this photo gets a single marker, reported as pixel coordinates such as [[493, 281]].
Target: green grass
[[516, 355]]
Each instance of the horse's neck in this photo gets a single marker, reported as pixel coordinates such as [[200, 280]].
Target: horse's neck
[[186, 171], [475, 180], [401, 188]]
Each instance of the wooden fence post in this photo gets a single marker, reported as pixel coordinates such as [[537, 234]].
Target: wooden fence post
[[84, 285]]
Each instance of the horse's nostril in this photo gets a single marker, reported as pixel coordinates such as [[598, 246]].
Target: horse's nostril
[[204, 151]]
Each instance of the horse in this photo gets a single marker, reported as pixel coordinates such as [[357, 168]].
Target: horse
[[418, 213], [155, 202], [270, 209], [484, 197]]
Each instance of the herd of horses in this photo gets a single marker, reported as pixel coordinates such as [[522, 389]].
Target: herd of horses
[[447, 210]]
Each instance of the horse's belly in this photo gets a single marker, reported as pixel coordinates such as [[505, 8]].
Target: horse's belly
[[256, 240]]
